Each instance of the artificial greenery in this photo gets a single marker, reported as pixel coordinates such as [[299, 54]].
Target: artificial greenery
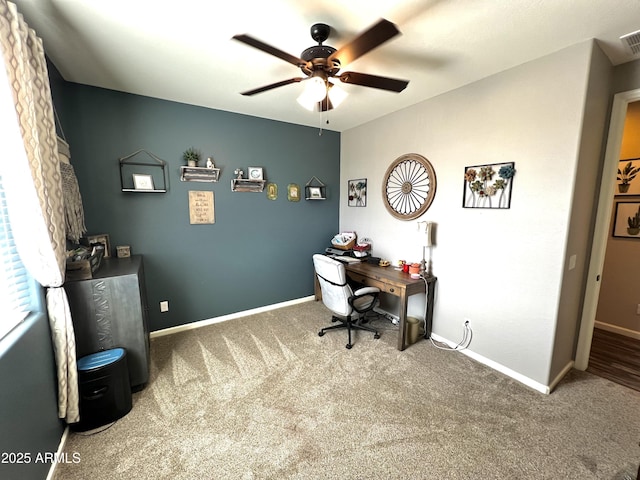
[[191, 154], [628, 173], [634, 222]]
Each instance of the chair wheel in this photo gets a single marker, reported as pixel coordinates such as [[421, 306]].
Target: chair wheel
[[320, 333], [349, 346], [376, 336]]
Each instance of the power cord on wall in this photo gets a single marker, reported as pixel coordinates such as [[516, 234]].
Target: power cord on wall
[[467, 336], [464, 343]]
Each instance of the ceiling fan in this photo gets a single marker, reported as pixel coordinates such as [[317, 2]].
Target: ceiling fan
[[321, 63]]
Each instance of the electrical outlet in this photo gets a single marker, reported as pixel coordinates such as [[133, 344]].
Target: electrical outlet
[[164, 306]]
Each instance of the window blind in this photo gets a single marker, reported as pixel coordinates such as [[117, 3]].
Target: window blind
[[15, 283]]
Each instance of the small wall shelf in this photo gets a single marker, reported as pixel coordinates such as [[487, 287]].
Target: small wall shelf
[[247, 185], [153, 172], [199, 174], [315, 190]]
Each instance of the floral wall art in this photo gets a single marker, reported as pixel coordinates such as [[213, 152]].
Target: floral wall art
[[357, 192], [488, 186]]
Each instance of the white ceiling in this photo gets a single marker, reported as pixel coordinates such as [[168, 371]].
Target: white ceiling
[[183, 51]]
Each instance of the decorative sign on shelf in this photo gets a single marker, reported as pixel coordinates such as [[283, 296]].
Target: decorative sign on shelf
[[201, 209]]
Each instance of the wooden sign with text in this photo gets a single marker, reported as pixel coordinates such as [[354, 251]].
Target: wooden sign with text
[[201, 208]]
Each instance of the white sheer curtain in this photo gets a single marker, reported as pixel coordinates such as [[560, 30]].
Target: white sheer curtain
[[31, 175]]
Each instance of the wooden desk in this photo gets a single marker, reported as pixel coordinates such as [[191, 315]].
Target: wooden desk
[[394, 282]]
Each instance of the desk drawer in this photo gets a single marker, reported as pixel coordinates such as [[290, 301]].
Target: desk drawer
[[370, 282]]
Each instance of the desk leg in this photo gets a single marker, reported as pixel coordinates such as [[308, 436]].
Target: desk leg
[[431, 286], [402, 332]]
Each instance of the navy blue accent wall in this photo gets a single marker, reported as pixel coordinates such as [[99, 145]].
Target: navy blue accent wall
[[29, 422], [257, 253]]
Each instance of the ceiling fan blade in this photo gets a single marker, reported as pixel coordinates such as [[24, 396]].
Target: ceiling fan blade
[[374, 81], [249, 40], [375, 36], [272, 86]]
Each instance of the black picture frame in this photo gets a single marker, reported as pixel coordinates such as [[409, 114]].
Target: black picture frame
[[488, 186], [624, 210]]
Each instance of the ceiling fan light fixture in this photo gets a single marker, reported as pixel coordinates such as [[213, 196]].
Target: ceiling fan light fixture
[[336, 95], [316, 88], [306, 102]]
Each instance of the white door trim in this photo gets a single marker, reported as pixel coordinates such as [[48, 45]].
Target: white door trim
[[601, 230]]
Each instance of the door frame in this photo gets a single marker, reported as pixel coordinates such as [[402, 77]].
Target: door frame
[[601, 229]]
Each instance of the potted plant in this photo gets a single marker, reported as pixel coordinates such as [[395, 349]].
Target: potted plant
[[626, 175], [191, 156], [634, 223]]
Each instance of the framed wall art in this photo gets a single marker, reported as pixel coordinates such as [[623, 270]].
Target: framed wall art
[[628, 170], [315, 192], [255, 173], [293, 192], [626, 222], [272, 191], [101, 240], [357, 191], [201, 207], [488, 186], [142, 182]]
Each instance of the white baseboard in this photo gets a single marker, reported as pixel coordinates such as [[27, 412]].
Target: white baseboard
[[500, 368], [616, 329], [561, 375], [63, 441], [231, 316]]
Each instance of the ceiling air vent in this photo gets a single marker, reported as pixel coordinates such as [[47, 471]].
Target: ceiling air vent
[[631, 42]]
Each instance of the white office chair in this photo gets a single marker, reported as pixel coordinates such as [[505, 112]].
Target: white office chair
[[337, 295]]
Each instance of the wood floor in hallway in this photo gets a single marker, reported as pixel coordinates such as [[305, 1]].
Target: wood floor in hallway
[[615, 357]]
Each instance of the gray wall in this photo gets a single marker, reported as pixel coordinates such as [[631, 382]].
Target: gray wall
[[505, 270], [626, 77], [257, 253], [597, 108]]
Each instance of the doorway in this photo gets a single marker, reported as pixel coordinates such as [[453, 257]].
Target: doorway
[[601, 230]]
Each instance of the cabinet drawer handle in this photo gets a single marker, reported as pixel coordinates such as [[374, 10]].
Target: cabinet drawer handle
[[391, 290]]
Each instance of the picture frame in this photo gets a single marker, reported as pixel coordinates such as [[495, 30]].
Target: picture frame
[[293, 192], [488, 186], [143, 182], [624, 211], [201, 207], [101, 239], [357, 192], [272, 191], [255, 173], [315, 192], [633, 185]]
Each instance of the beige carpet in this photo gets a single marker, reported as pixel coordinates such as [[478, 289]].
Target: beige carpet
[[263, 397]]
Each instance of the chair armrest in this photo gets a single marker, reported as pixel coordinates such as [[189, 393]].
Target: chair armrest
[[366, 291], [371, 292]]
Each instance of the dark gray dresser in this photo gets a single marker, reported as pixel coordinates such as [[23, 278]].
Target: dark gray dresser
[[110, 310]]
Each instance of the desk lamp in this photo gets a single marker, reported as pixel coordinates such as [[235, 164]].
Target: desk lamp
[[425, 232]]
